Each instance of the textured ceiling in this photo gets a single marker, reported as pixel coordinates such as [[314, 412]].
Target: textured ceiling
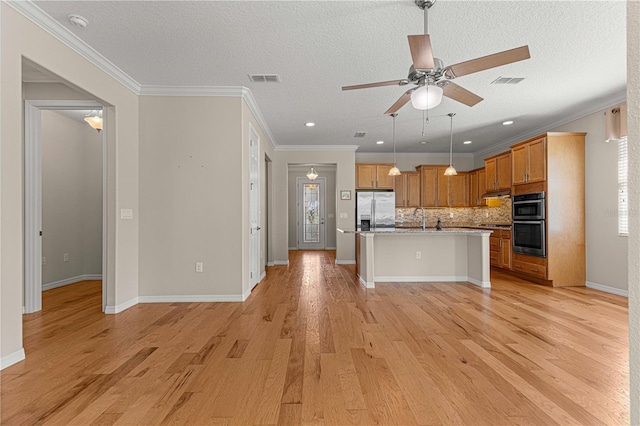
[[578, 61]]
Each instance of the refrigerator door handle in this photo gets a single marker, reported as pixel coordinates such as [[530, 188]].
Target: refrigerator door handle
[[373, 213]]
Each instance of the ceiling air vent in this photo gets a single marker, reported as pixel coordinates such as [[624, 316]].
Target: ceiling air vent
[[359, 134], [264, 78], [507, 80]]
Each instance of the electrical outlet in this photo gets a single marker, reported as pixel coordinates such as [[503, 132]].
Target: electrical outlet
[[486, 214], [44, 260], [199, 267], [418, 255], [65, 257], [451, 215]]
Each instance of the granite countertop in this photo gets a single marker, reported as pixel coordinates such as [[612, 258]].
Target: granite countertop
[[401, 230]]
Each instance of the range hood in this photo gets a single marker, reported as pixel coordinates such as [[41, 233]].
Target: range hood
[[503, 193]]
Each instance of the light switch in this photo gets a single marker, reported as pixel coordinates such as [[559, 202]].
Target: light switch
[[331, 215], [126, 213], [344, 216]]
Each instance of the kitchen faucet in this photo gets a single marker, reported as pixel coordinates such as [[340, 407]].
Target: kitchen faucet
[[415, 212]]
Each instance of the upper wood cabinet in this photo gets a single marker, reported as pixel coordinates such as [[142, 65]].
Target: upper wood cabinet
[[529, 161], [407, 189], [498, 172], [477, 187], [374, 176], [438, 190]]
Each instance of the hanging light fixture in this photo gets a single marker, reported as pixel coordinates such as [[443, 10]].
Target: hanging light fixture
[[450, 170], [394, 170], [94, 119], [312, 175], [427, 96]]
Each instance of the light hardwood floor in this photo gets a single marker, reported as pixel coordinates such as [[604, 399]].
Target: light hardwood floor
[[311, 345]]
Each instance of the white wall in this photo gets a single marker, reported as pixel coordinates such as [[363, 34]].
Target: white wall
[[606, 251], [329, 174], [19, 37], [409, 162], [71, 198]]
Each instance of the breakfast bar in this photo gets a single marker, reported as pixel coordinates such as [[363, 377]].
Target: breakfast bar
[[417, 255]]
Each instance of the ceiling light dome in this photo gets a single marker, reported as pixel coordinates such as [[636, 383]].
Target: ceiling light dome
[[426, 97]]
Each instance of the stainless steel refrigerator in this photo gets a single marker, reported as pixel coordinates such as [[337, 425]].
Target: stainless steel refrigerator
[[379, 208]]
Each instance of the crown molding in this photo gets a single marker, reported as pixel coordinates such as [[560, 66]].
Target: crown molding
[[317, 147], [231, 91], [593, 108], [31, 11]]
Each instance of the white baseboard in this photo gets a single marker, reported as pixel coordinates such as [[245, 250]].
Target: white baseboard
[[330, 248], [483, 284], [110, 309], [366, 284], [11, 359], [263, 275], [72, 280], [270, 264], [281, 262], [345, 262], [293, 248], [195, 298], [427, 279], [607, 289]]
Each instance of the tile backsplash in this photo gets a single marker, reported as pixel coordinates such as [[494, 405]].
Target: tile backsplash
[[462, 216]]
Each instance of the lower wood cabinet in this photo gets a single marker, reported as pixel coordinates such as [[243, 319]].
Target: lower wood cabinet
[[500, 249]]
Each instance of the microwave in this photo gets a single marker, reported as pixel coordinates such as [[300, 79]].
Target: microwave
[[528, 206]]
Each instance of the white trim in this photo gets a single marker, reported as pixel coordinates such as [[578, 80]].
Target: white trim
[[591, 109], [11, 359], [482, 284], [607, 289], [233, 91], [330, 248], [345, 262], [281, 262], [366, 284], [317, 147], [419, 279], [271, 264], [36, 15], [262, 276], [72, 280], [195, 298], [121, 307], [293, 248]]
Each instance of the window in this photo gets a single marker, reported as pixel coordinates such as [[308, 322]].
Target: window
[[623, 190]]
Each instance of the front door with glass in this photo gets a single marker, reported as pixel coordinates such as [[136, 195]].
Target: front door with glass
[[311, 206]]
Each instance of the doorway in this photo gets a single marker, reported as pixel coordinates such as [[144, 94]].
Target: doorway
[[34, 232], [254, 208], [311, 213]]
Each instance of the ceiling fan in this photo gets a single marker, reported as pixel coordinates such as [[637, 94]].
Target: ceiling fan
[[432, 79]]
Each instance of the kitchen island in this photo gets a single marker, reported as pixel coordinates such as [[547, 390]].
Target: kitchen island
[[416, 255]]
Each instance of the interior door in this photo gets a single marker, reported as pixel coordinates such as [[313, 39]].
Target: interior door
[[254, 208], [311, 207]]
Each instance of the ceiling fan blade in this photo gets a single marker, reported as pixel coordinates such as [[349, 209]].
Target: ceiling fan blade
[[400, 102], [421, 52], [490, 61], [460, 94], [368, 85]]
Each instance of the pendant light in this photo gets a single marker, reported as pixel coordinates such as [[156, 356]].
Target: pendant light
[[94, 119], [394, 170], [312, 175], [450, 170]]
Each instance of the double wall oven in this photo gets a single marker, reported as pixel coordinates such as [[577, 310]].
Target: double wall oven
[[529, 224]]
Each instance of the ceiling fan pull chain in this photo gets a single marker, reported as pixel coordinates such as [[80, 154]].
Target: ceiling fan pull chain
[[426, 20]]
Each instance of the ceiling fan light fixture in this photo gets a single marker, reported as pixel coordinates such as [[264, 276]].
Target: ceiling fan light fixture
[[312, 175], [426, 97]]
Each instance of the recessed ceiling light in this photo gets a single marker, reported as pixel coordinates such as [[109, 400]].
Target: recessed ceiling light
[[78, 20], [466, 142], [380, 142], [310, 124], [423, 142], [507, 123]]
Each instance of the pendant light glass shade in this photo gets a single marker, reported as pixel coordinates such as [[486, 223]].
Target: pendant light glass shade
[[450, 171], [394, 170], [426, 97], [94, 119], [312, 175]]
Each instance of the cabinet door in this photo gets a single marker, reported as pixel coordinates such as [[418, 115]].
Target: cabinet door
[[365, 176], [399, 189], [429, 187], [482, 187], [459, 190], [383, 180], [474, 188], [519, 164], [537, 160], [490, 169], [506, 253], [443, 187], [412, 189], [503, 171]]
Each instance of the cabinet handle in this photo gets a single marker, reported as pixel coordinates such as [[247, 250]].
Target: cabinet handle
[[500, 243]]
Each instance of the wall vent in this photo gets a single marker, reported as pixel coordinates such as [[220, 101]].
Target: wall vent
[[359, 134], [507, 80], [264, 78]]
